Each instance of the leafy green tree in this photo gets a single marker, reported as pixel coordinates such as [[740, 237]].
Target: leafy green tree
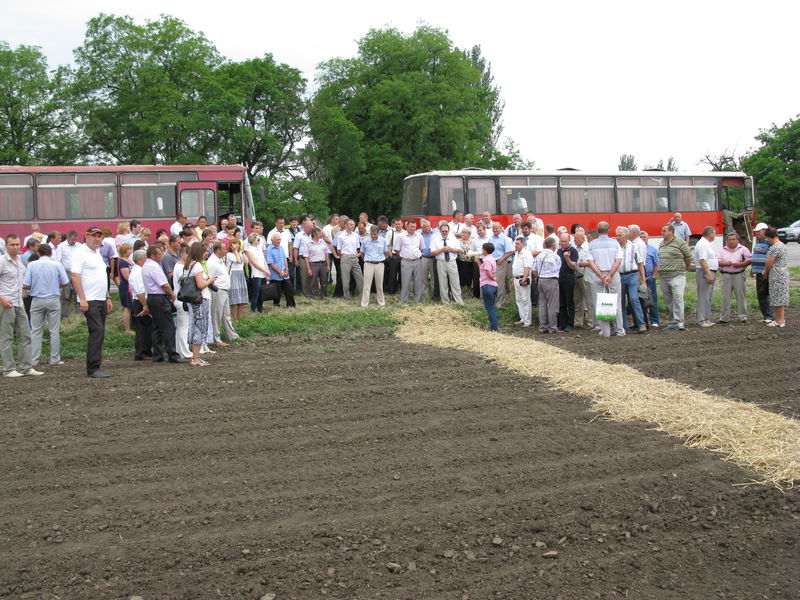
[[36, 126], [137, 90], [776, 169], [627, 162], [405, 104], [256, 115]]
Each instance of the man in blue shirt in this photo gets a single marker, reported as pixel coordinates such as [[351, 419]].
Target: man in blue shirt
[[503, 251], [650, 274], [757, 263], [278, 264], [43, 281], [374, 251]]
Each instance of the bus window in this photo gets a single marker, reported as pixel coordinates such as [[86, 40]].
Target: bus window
[[76, 196], [198, 203], [451, 195], [16, 197], [521, 194], [415, 196], [687, 194], [482, 196], [151, 195], [645, 194], [587, 195]]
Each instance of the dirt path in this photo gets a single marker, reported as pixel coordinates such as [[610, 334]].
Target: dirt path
[[369, 468]]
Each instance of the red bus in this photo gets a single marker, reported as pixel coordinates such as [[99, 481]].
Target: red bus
[[724, 200], [64, 198]]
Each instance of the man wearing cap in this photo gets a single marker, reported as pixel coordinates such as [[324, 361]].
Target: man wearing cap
[[521, 271], [758, 261], [682, 230], [13, 320], [91, 287]]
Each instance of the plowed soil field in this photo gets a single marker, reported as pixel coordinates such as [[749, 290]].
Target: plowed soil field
[[367, 467]]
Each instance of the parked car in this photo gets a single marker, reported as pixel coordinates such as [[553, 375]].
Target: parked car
[[790, 233]]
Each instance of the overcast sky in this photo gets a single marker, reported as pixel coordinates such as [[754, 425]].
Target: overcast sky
[[583, 81]]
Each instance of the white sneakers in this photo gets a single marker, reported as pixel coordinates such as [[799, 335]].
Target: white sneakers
[[18, 374]]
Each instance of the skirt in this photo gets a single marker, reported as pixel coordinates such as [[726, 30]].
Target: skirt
[[198, 323], [238, 292]]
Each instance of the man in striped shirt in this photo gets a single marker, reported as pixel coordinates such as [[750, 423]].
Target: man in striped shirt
[[674, 258]]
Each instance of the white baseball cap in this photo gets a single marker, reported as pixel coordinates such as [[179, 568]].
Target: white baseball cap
[[761, 226]]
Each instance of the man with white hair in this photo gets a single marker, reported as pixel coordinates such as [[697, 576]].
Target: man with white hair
[[631, 272], [681, 227], [513, 230]]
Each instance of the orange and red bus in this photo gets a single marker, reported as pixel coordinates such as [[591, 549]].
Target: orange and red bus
[[724, 200], [65, 198]]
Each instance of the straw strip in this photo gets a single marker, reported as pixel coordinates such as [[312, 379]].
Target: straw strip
[[758, 440]]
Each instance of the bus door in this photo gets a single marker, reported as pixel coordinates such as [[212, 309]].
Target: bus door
[[198, 199]]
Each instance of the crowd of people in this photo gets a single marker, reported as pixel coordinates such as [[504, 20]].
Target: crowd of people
[[185, 290]]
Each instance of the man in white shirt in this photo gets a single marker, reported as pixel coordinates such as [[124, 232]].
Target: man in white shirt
[[536, 223], [706, 266], [255, 247], [177, 226], [521, 272], [91, 287], [347, 247], [63, 254], [333, 221], [409, 248], [457, 224], [220, 304], [445, 249]]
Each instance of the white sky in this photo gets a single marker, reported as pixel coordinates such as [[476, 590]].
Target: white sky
[[583, 81]]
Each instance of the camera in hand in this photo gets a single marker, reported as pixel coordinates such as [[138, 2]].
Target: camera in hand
[[213, 287]]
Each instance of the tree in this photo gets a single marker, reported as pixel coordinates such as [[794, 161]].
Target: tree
[[35, 124], [255, 115], [405, 104], [137, 90], [627, 162], [671, 165], [726, 161], [775, 166]]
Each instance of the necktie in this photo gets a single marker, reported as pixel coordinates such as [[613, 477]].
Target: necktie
[[446, 254]]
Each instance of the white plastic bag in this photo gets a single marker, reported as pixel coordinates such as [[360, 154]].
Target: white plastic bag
[[606, 307]]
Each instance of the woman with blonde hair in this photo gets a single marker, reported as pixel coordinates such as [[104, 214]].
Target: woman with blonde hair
[[123, 229], [238, 292], [144, 235]]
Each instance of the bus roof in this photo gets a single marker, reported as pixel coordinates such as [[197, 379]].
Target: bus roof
[[117, 168], [573, 173]]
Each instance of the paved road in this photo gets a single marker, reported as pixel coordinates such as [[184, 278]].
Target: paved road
[[794, 254]]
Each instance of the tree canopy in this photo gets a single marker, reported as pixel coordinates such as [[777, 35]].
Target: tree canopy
[[776, 169], [35, 123], [405, 104]]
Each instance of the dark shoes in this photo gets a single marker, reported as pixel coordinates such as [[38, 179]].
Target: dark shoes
[[98, 374], [179, 360]]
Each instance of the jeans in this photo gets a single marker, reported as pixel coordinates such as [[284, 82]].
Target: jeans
[[489, 294], [652, 288], [256, 303], [630, 288]]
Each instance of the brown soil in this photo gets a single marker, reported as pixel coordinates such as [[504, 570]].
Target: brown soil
[[372, 468]]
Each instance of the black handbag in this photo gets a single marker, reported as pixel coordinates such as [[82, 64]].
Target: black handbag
[[189, 292], [270, 291]]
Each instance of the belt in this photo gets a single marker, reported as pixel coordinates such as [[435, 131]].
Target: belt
[[628, 272], [548, 277], [519, 276], [374, 262], [316, 262], [732, 272], [409, 258]]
